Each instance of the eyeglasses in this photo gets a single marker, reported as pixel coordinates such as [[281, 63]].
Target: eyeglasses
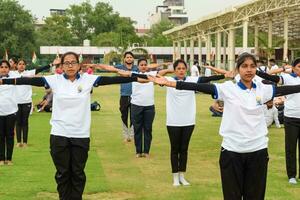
[[70, 64]]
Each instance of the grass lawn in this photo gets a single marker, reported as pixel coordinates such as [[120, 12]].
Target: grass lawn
[[112, 170]]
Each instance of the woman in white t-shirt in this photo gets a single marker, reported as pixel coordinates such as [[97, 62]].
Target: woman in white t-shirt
[[180, 126], [291, 117], [244, 156], [24, 100], [143, 109], [8, 109], [70, 121]]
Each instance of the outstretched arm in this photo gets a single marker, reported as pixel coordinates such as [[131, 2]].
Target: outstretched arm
[[286, 90], [215, 69], [273, 78], [40, 69], [103, 67], [34, 81], [180, 85]]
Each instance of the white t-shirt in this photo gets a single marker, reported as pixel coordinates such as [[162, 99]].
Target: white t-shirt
[[243, 125], [24, 92], [8, 103], [71, 108], [143, 93], [291, 105], [194, 71], [271, 115], [181, 105], [207, 72]]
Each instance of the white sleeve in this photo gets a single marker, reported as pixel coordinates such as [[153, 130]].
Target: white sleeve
[[222, 89], [92, 79], [268, 92], [31, 73], [285, 78], [51, 81], [152, 73]]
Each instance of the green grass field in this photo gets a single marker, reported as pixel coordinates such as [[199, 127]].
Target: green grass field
[[112, 170]]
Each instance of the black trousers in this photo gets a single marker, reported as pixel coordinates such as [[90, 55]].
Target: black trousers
[[244, 175], [22, 121], [7, 125], [292, 136], [179, 138], [69, 156], [142, 120], [125, 106]]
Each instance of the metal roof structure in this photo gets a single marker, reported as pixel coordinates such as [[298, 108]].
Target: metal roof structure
[[255, 11]]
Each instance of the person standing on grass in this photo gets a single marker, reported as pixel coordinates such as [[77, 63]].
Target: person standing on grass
[[291, 117], [24, 100], [143, 109], [244, 155], [71, 119], [125, 97], [181, 113], [8, 109]]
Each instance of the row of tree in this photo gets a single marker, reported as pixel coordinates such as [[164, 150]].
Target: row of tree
[[98, 23]]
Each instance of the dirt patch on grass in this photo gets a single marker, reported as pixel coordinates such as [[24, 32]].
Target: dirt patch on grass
[[94, 196]]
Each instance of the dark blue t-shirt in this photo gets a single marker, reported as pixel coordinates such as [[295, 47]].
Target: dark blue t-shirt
[[126, 88]]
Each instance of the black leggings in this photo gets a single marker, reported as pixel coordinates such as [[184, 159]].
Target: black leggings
[[22, 121], [292, 137], [179, 138], [125, 109], [7, 125]]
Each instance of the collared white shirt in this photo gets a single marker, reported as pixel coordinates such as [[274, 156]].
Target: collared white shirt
[[243, 126], [291, 105], [181, 105], [24, 92], [143, 93], [8, 103], [71, 108]]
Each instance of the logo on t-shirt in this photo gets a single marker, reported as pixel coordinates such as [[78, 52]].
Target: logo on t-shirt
[[258, 101], [79, 88]]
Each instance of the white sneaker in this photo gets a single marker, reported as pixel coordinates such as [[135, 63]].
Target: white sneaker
[[176, 180], [292, 181], [182, 179]]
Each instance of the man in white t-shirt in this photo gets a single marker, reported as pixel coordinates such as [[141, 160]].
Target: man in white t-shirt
[[195, 70]]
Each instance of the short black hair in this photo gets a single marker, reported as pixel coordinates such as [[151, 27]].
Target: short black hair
[[196, 62], [128, 52], [14, 59], [244, 56], [6, 62], [176, 63], [69, 53], [142, 59]]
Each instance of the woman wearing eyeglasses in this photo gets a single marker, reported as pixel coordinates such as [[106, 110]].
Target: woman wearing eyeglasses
[[71, 119]]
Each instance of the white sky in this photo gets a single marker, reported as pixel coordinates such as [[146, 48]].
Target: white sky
[[137, 10]]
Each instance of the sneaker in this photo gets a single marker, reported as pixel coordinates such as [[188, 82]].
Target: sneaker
[[19, 145], [176, 182], [292, 181], [182, 179], [9, 163], [2, 163], [25, 145], [138, 155], [146, 155]]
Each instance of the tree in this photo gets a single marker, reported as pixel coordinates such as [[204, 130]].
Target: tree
[[55, 32], [155, 36], [17, 29]]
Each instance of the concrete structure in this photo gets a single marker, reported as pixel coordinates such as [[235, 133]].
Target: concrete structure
[[278, 18], [158, 53], [172, 10]]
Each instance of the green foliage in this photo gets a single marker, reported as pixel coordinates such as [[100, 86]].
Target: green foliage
[[55, 32], [155, 36], [17, 29]]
